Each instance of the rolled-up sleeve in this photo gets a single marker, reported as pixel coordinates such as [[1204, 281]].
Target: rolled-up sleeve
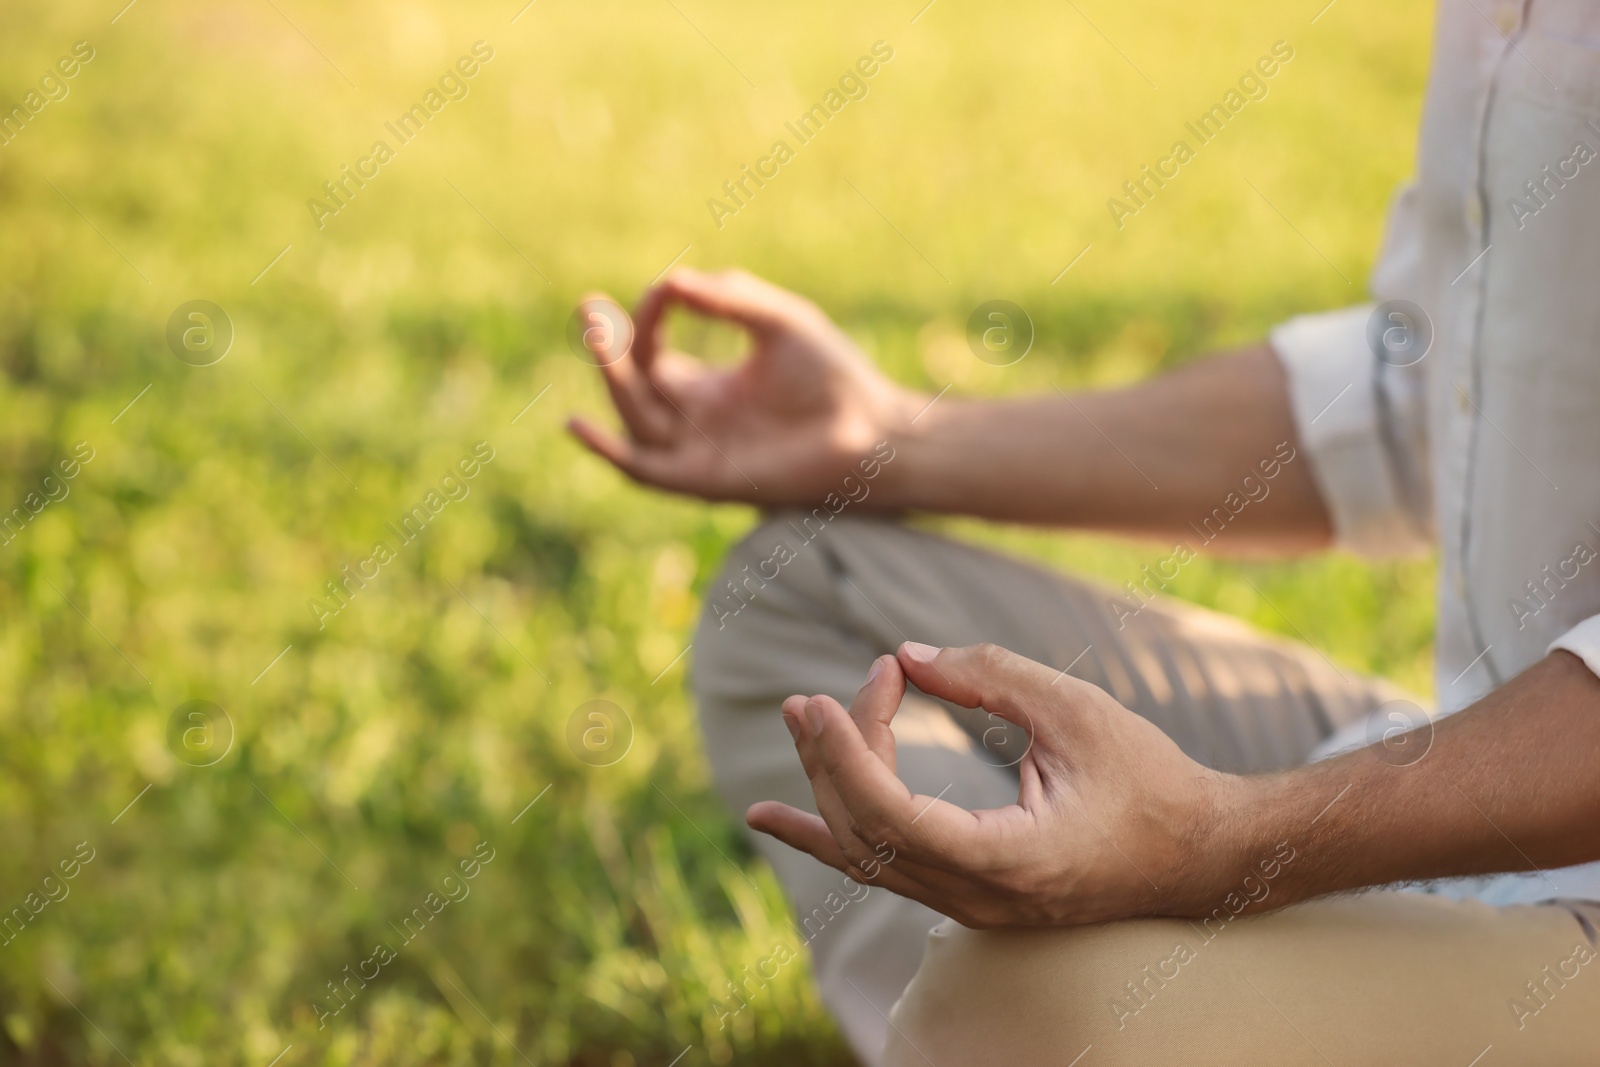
[[1362, 436], [1583, 641]]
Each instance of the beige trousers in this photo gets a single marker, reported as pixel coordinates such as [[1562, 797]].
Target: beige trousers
[[804, 605]]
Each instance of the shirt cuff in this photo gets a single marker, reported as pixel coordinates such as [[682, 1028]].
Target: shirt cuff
[[1330, 376], [1583, 641]]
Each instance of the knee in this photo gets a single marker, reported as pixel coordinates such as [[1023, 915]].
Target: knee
[[749, 570], [771, 596], [756, 569], [786, 569], [1038, 996]]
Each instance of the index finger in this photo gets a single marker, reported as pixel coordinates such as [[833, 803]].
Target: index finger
[[732, 295], [1019, 690], [881, 808]]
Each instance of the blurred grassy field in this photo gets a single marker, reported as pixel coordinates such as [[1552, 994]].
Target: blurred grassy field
[[380, 750]]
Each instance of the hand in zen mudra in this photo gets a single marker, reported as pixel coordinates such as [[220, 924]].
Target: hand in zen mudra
[[1111, 819], [780, 428]]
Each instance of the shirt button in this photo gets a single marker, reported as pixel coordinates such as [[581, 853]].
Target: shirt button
[[1505, 19]]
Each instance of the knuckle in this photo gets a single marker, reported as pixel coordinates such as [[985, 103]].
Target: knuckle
[[855, 853], [873, 830], [740, 282], [806, 311], [988, 655], [1022, 885]]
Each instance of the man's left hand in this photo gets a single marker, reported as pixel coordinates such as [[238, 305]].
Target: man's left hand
[[1112, 820]]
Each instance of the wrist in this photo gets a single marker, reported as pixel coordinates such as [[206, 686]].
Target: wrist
[[1235, 854], [906, 421]]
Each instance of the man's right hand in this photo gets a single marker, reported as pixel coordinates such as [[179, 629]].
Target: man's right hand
[[783, 427]]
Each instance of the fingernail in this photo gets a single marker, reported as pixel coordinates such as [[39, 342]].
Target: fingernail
[[793, 725], [814, 717], [920, 652], [877, 669]]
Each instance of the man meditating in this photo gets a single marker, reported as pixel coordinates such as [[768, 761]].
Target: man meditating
[[1115, 799]]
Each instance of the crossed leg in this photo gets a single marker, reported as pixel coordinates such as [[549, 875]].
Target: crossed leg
[[804, 604], [1382, 977]]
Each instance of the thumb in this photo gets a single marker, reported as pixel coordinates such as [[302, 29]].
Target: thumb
[[1009, 686]]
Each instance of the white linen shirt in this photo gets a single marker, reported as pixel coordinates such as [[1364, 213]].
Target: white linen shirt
[[1489, 444]]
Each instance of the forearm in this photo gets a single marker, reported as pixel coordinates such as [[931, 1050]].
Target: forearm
[[1148, 460], [1510, 784]]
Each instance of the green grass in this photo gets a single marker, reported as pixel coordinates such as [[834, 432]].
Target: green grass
[[379, 750]]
